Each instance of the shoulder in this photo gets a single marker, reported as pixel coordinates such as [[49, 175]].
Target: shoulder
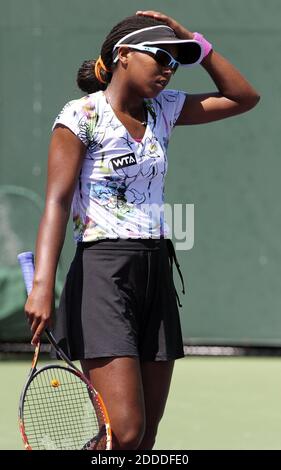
[[84, 106], [163, 101], [169, 101], [170, 96], [168, 106], [80, 116]]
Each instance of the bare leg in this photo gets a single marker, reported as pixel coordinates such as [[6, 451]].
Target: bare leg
[[119, 382], [156, 379]]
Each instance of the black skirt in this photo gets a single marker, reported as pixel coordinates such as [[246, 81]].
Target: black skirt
[[119, 299]]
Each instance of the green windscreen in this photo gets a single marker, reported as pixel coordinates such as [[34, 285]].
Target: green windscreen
[[229, 170]]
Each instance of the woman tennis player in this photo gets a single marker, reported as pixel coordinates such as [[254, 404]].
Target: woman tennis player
[[118, 312]]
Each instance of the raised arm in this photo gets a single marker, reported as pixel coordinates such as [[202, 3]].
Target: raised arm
[[235, 94], [65, 158]]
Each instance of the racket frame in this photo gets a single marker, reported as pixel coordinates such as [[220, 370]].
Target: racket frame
[[93, 394]]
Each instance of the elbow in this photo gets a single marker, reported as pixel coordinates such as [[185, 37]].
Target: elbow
[[251, 101], [254, 100], [59, 205]]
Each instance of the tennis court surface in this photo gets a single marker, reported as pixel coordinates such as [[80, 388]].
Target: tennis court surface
[[214, 403]]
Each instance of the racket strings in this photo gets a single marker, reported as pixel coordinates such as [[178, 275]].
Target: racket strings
[[98, 442], [60, 412]]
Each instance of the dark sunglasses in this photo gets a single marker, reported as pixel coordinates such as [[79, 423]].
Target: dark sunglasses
[[161, 56]]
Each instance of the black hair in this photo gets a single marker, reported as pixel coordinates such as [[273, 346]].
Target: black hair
[[87, 80]]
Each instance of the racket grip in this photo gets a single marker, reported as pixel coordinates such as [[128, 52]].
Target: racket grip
[[26, 261]]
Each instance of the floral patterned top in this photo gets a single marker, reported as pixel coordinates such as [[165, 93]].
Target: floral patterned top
[[120, 189]]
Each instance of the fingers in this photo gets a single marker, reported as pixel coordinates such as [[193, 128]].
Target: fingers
[[153, 14], [37, 332], [37, 326], [38, 310], [158, 16]]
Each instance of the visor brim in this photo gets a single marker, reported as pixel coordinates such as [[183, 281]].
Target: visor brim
[[190, 52]]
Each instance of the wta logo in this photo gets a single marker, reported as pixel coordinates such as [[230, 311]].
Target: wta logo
[[123, 161]]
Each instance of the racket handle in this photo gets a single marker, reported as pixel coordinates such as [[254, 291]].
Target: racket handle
[[26, 261]]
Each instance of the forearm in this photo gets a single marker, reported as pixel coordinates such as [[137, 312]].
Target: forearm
[[50, 239], [228, 79], [230, 82]]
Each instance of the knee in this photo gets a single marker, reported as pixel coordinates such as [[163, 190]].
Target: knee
[[130, 438]]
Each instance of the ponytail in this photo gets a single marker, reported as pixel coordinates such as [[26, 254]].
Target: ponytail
[[93, 76]]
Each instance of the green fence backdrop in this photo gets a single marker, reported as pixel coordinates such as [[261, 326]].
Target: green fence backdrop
[[229, 170]]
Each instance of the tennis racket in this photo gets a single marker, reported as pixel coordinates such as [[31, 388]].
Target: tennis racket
[[59, 409]]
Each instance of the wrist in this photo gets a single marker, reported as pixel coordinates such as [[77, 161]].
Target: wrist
[[206, 45], [44, 286]]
